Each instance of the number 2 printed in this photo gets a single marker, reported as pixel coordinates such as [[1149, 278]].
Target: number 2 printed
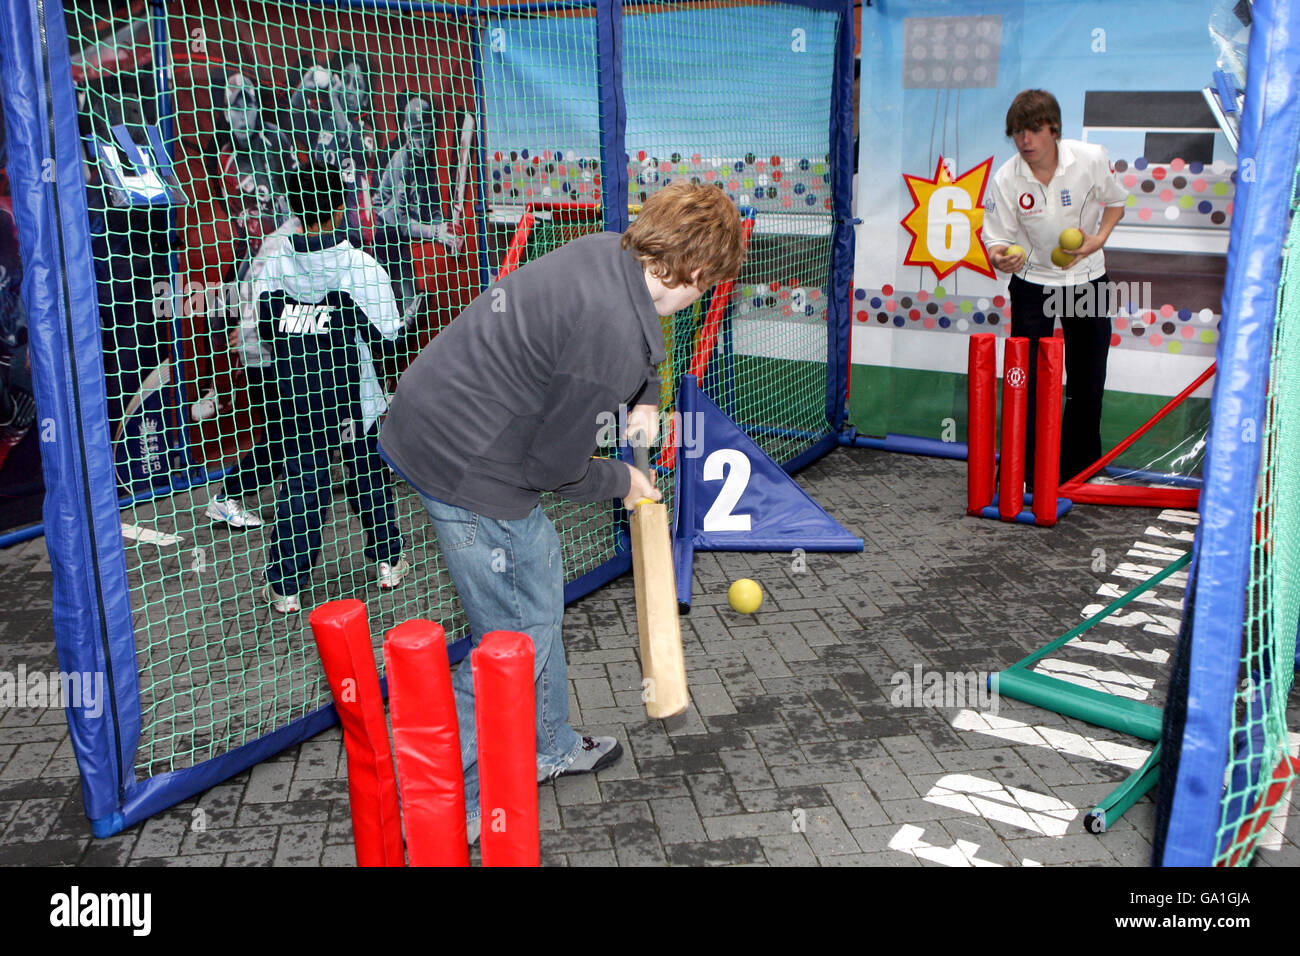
[[732, 465]]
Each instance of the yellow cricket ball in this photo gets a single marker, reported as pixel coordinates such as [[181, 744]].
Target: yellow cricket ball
[[1071, 239], [1062, 259], [745, 595], [1012, 251]]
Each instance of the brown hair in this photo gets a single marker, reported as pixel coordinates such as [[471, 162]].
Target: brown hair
[[687, 226], [1032, 109]]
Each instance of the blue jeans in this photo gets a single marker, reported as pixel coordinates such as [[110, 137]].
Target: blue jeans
[[509, 576]]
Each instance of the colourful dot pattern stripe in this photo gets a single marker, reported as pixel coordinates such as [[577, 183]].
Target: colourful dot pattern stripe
[[1163, 327], [1178, 193], [767, 183]]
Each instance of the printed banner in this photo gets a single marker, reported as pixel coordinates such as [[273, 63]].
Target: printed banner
[[937, 79]]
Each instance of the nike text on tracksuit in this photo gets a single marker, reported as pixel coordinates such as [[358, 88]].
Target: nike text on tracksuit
[[322, 306]]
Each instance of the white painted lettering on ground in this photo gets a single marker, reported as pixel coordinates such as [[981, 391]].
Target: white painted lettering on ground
[[1062, 741], [909, 839], [1035, 812]]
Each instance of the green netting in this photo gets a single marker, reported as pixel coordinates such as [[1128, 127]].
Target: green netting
[[448, 125], [770, 372], [253, 91], [1260, 742]]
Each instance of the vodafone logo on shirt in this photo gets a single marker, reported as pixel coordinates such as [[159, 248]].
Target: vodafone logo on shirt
[[1027, 202]]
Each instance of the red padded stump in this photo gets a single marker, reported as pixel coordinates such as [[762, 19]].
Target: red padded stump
[[1047, 428], [1015, 413], [506, 715], [343, 639], [426, 737], [982, 402]]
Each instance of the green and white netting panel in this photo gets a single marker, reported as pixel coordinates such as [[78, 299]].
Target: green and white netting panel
[[452, 125], [256, 89], [758, 127]]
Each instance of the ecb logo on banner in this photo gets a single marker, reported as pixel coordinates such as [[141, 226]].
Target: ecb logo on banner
[[1016, 377]]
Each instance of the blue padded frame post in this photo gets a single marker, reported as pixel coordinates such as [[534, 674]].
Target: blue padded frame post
[[839, 315], [93, 628], [480, 27], [613, 113], [1270, 129]]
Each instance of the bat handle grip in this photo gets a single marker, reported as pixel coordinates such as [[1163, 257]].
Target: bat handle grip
[[640, 452]]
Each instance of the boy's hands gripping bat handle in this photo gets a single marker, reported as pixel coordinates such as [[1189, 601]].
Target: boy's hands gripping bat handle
[[663, 667], [641, 458]]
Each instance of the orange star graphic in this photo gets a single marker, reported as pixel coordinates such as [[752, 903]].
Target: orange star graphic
[[947, 219]]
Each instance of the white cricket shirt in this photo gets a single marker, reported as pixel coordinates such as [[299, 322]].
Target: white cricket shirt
[[1020, 210]]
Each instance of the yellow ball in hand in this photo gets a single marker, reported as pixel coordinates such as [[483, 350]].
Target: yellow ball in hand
[[1062, 259], [745, 595], [1071, 239]]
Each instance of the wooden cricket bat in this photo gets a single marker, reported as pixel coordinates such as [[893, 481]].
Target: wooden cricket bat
[[663, 667]]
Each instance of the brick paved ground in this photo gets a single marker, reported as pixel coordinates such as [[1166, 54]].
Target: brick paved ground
[[792, 753]]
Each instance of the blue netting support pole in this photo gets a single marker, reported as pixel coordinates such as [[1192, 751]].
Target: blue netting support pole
[[480, 25], [93, 629], [839, 307], [1270, 130], [613, 113], [839, 316]]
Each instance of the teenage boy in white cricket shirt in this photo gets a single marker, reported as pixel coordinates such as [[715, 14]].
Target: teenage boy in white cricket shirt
[[1051, 185]]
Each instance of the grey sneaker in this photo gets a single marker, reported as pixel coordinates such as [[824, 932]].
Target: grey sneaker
[[597, 753], [232, 512]]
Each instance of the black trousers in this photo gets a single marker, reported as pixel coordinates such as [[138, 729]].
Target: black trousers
[[1034, 310], [305, 494]]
